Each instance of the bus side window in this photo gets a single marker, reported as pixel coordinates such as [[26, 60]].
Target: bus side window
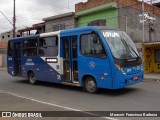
[[30, 47], [92, 46], [48, 46]]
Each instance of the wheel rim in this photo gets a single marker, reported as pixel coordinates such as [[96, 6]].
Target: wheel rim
[[32, 78], [91, 85]]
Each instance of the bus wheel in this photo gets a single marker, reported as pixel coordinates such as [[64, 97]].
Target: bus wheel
[[32, 78], [90, 85]]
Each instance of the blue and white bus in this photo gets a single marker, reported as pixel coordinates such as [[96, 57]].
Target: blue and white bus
[[89, 57]]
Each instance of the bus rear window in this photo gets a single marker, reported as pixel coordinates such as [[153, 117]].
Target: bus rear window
[[10, 48]]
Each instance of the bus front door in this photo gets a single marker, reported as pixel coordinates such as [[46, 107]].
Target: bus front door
[[70, 63], [17, 58]]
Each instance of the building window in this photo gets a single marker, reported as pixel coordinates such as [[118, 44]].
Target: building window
[[61, 26], [58, 27], [101, 22], [8, 36], [55, 28], [156, 55], [92, 46], [2, 37]]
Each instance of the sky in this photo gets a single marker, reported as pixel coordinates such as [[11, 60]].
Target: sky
[[30, 12]]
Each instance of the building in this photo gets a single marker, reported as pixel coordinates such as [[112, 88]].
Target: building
[[4, 37], [151, 57], [34, 29], [120, 14], [157, 4], [101, 15], [125, 15], [59, 22]]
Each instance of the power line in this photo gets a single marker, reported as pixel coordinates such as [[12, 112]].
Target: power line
[[50, 10], [14, 18], [6, 17], [150, 1]]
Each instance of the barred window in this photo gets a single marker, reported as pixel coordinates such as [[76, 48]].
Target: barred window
[[156, 55], [58, 27], [101, 22]]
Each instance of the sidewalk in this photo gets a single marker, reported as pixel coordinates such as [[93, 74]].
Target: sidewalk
[[147, 77], [152, 77], [3, 69]]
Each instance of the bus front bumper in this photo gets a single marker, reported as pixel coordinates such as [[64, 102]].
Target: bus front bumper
[[127, 80]]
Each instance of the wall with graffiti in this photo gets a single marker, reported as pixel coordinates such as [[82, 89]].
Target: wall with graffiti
[[151, 59]]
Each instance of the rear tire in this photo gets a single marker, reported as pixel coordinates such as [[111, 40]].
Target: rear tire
[[32, 78], [90, 85]]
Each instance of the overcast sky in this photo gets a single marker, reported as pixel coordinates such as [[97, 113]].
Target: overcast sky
[[29, 12]]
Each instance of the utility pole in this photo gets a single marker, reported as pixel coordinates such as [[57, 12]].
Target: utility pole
[[143, 20], [151, 2], [14, 19], [150, 24], [126, 25], [150, 37]]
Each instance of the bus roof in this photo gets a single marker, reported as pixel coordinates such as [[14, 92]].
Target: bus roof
[[24, 37], [73, 30]]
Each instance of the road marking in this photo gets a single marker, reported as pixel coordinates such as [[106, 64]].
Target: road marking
[[55, 105]]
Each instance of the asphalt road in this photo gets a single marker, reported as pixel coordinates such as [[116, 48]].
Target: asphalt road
[[144, 96]]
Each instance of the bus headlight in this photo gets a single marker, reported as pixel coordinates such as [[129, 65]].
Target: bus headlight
[[120, 68]]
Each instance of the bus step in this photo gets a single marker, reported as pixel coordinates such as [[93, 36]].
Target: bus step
[[71, 84]]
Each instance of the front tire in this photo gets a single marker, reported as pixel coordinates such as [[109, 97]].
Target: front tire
[[32, 78], [90, 85]]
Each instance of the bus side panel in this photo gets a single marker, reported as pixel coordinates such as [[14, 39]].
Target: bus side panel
[[99, 68], [42, 70]]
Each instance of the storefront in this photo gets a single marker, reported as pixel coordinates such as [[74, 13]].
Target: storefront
[[151, 57]]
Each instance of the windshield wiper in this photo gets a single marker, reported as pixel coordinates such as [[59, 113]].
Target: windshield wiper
[[130, 47], [127, 45]]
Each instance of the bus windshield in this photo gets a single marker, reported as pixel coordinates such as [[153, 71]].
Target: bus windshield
[[121, 45]]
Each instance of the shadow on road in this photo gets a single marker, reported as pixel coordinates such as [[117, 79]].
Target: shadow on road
[[51, 85], [105, 92], [119, 92]]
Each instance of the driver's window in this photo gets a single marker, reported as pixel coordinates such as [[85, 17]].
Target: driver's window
[[92, 46]]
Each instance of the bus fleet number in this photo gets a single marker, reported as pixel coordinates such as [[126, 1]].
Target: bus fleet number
[[58, 77]]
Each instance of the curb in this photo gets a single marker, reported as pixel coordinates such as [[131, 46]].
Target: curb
[[3, 69], [151, 80]]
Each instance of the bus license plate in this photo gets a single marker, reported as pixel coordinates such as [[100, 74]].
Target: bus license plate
[[135, 78]]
